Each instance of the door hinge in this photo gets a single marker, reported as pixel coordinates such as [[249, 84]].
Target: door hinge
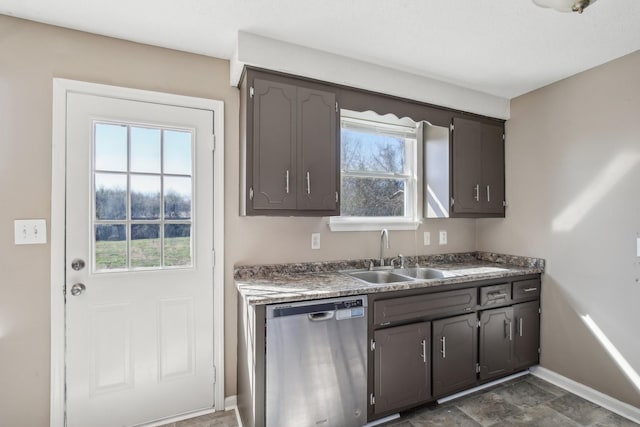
[[539, 310], [539, 351], [215, 374], [250, 193], [451, 127], [503, 137], [337, 107], [477, 323], [477, 368], [504, 203], [213, 143], [372, 399], [373, 345], [337, 197], [251, 92], [213, 258], [452, 202]]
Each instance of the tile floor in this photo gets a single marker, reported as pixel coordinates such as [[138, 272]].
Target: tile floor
[[524, 401]]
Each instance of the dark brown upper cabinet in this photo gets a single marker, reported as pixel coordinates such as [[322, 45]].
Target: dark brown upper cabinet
[[478, 168], [464, 169], [290, 154]]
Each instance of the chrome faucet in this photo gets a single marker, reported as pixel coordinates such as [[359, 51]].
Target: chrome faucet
[[384, 241]]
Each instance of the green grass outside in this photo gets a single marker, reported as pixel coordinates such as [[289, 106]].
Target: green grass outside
[[144, 253]]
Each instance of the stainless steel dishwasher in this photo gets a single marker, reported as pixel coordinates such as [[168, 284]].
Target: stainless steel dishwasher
[[317, 363]]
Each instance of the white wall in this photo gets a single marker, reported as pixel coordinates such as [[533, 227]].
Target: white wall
[[573, 188]]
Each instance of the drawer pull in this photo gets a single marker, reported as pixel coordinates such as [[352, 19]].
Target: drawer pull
[[496, 295], [529, 289]]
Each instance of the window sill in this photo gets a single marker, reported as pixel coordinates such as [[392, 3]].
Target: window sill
[[337, 223]]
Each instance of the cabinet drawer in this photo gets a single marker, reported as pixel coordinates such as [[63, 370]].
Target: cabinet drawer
[[526, 289], [422, 306], [495, 294]]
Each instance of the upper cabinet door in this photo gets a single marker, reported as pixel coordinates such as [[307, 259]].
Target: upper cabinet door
[[274, 147], [477, 168], [467, 165], [492, 191], [317, 150]]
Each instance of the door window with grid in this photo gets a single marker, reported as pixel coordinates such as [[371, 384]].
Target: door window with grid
[[143, 197]]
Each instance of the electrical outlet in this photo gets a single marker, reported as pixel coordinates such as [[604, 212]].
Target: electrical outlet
[[443, 237], [427, 238], [315, 240], [30, 231]]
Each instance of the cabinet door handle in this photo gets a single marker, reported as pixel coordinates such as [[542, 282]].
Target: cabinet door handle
[[488, 193], [520, 325], [424, 351], [510, 331], [444, 347], [308, 183], [477, 190], [287, 181]]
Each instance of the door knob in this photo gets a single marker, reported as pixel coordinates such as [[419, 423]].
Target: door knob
[[77, 289]]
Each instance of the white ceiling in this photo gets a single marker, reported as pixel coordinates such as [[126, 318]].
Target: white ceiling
[[501, 47]]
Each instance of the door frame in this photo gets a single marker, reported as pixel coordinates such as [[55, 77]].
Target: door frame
[[62, 87]]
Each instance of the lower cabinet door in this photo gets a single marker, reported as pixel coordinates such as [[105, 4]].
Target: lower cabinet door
[[455, 352], [402, 367], [526, 334], [496, 342]]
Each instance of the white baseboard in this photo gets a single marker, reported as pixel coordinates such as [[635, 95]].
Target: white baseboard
[[230, 402], [623, 409]]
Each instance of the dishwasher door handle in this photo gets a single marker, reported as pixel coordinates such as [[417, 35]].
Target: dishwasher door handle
[[321, 315]]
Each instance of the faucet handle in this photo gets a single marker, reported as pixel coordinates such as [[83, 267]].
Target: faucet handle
[[370, 265], [401, 260]]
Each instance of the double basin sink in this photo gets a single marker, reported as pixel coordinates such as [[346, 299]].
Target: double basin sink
[[402, 275]]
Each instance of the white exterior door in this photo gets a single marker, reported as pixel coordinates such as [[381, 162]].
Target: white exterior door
[[139, 261]]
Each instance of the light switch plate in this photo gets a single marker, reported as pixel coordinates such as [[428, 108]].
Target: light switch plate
[[30, 231], [443, 237], [427, 238], [315, 240]]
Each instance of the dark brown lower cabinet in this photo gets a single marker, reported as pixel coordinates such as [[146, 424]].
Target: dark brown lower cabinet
[[455, 353], [526, 334], [496, 342], [402, 367]]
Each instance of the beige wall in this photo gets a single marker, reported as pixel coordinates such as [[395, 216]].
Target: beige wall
[[573, 188], [31, 55]]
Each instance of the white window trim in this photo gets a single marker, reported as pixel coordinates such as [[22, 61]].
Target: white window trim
[[407, 222]]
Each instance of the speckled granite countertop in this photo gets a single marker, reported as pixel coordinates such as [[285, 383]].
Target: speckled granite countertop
[[276, 283]]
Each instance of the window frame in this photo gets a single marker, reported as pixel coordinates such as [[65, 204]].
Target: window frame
[[411, 220]]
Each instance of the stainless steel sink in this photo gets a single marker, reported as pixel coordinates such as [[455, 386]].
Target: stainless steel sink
[[384, 276], [425, 273]]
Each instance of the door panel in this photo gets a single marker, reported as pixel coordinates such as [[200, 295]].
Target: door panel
[[467, 167], [492, 186], [139, 337], [274, 145], [318, 149], [527, 334], [401, 366], [455, 350], [496, 342]]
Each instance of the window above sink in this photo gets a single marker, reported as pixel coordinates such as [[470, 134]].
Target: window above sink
[[378, 173]]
